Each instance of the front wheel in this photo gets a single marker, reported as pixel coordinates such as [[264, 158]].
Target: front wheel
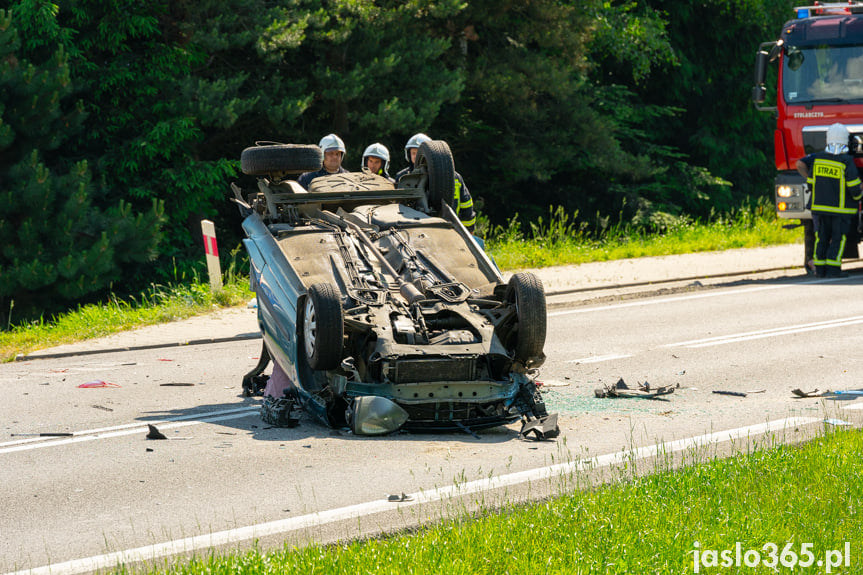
[[526, 294], [323, 327]]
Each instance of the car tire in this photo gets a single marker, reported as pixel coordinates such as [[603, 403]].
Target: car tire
[[286, 158], [323, 327], [436, 156], [526, 293]]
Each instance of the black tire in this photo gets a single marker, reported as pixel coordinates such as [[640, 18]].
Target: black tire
[[286, 158], [436, 156], [323, 327], [526, 293]]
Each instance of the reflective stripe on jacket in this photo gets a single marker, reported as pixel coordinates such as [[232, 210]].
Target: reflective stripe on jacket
[[464, 209]]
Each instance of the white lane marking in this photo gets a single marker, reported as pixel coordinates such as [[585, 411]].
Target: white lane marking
[[353, 512], [598, 358], [647, 302], [128, 429], [773, 332]]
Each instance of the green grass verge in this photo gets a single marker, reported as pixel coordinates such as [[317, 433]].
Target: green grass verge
[[560, 242], [159, 305], [786, 494]]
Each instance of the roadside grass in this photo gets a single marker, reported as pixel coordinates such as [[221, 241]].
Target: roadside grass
[[779, 495], [560, 241], [160, 304], [556, 240]]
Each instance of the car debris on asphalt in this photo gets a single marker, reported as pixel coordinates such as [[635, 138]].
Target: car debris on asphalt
[[726, 392], [542, 428], [97, 384], [838, 395], [278, 411], [155, 433], [643, 391], [48, 434]]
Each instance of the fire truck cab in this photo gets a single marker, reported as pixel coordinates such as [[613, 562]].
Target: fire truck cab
[[819, 83]]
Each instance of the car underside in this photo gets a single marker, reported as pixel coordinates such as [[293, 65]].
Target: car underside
[[380, 307]]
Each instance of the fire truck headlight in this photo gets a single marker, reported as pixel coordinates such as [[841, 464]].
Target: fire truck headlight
[[786, 191], [781, 206]]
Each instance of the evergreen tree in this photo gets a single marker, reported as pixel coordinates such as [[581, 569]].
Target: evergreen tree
[[56, 247], [715, 43], [539, 124]]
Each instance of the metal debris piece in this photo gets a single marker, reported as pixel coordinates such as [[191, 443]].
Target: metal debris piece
[[542, 384], [467, 429], [398, 498], [277, 412], [97, 383], [837, 422], [542, 428], [843, 394], [724, 392], [43, 434], [800, 393], [620, 389], [155, 433]]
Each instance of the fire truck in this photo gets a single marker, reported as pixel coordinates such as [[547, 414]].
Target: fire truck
[[819, 83]]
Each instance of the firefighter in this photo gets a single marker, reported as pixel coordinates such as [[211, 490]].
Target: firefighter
[[835, 192], [465, 212], [334, 153], [377, 159]]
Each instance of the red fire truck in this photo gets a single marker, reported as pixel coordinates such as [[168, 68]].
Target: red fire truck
[[819, 83]]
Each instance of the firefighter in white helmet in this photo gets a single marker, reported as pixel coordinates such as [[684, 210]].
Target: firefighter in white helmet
[[835, 195], [465, 212], [376, 159], [411, 149], [334, 153]]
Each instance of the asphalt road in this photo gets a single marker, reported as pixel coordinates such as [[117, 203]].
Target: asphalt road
[[223, 478]]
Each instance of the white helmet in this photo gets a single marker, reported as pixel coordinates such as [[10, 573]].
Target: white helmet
[[378, 150], [332, 142], [837, 139], [415, 142]]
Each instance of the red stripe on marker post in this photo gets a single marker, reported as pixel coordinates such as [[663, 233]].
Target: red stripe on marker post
[[211, 250]]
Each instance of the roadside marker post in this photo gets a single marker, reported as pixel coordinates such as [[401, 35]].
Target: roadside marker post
[[211, 249]]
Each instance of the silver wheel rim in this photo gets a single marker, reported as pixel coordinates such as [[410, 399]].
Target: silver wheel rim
[[310, 327]]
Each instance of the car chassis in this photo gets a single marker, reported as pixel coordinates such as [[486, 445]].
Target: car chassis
[[380, 307]]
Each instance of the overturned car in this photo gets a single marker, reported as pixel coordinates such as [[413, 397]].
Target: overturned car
[[378, 304]]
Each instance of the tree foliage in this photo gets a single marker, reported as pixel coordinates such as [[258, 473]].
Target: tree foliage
[[56, 245]]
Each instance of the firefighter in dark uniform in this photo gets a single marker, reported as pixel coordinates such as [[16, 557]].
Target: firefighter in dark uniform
[[334, 153], [465, 210], [835, 187]]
